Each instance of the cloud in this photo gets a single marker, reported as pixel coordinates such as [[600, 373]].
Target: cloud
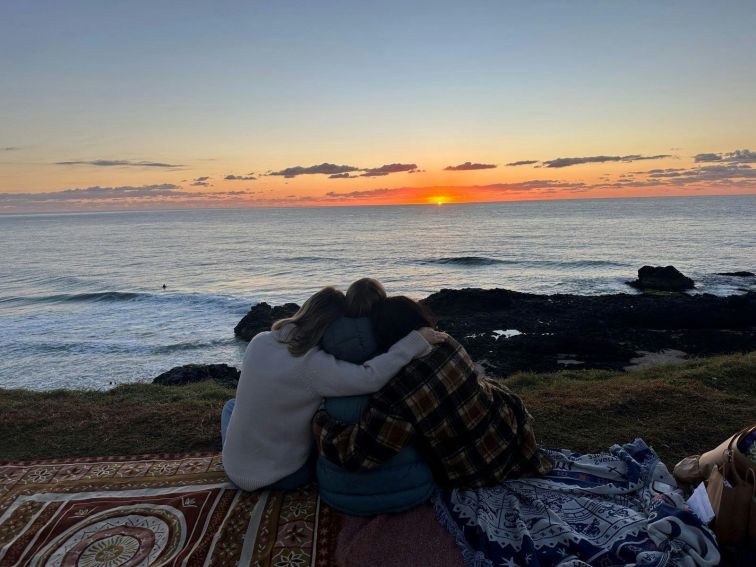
[[534, 185], [537, 185], [469, 166], [566, 162], [248, 177], [119, 163], [341, 171], [201, 181], [10, 149], [388, 168], [720, 176], [523, 162], [92, 193], [120, 197], [361, 194], [738, 156], [323, 168], [720, 173]]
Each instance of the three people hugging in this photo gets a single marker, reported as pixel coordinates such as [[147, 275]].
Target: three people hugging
[[361, 391]]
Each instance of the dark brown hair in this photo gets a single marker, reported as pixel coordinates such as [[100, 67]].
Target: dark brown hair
[[397, 316], [363, 296], [312, 319]]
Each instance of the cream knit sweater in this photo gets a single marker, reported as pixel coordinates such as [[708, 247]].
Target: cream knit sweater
[[269, 435]]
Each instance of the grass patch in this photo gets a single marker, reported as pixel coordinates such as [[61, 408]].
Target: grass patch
[[130, 419], [678, 409]]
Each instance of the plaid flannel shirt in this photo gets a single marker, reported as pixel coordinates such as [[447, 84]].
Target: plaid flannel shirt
[[471, 430]]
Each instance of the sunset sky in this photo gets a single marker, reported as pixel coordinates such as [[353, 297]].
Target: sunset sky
[[156, 104]]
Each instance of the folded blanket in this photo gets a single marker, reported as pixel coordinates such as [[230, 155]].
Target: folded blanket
[[615, 508]]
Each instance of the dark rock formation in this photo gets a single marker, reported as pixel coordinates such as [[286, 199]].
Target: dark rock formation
[[261, 317], [667, 278], [606, 331], [737, 274], [222, 373]]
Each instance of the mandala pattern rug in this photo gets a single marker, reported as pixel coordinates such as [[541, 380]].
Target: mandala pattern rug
[[615, 508], [155, 510]]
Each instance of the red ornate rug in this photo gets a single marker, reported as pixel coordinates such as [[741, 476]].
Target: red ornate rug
[[155, 510]]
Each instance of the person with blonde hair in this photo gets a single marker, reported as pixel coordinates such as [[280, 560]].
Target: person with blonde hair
[[285, 375]]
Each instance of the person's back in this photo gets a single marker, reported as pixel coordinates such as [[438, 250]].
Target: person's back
[[473, 431], [284, 377], [400, 483]]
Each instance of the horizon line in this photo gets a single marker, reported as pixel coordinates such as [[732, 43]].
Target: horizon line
[[353, 205]]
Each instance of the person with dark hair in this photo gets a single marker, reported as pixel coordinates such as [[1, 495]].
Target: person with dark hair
[[473, 431], [267, 439]]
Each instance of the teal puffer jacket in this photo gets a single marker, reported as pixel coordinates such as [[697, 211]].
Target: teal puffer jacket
[[402, 482]]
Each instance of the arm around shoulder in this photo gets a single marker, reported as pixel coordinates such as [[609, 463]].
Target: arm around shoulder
[[332, 377]]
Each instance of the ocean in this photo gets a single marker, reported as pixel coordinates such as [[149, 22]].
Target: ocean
[[82, 303]]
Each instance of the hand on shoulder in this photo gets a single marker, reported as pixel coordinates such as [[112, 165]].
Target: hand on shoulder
[[432, 336]]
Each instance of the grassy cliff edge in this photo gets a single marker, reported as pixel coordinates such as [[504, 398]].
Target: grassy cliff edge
[[678, 409]]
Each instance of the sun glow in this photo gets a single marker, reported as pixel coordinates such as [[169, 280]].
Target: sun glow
[[438, 200]]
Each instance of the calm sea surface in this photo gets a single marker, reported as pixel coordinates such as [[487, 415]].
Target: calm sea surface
[[82, 304]]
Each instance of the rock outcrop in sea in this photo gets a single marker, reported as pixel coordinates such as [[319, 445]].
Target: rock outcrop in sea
[[260, 317], [222, 373], [662, 278]]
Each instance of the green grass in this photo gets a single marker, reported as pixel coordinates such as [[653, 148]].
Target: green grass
[[678, 409]]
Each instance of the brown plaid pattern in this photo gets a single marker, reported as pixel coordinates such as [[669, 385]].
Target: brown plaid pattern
[[472, 431]]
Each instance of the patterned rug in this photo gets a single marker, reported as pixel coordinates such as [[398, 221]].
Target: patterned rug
[[615, 508], [154, 510]]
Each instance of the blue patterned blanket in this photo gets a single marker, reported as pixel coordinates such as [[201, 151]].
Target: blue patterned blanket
[[615, 508]]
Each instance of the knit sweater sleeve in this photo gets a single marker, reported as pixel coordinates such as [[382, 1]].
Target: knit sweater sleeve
[[332, 377]]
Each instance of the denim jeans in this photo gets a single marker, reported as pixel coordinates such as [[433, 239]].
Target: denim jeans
[[297, 479]]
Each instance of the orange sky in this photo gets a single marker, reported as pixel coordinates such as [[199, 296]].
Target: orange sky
[[137, 106], [135, 184]]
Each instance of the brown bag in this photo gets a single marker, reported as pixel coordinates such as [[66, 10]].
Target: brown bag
[[728, 451], [734, 506], [697, 468]]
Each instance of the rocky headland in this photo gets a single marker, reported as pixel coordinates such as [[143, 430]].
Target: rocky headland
[[507, 331]]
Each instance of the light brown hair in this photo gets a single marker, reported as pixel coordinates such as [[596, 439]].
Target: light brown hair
[[363, 296], [312, 319]]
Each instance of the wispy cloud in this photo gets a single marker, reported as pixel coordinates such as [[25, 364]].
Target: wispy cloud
[[567, 162], [469, 166], [323, 168], [523, 162], [201, 181], [92, 193], [388, 168], [10, 149], [342, 176], [124, 196], [535, 185], [118, 163], [738, 156], [232, 177], [361, 194]]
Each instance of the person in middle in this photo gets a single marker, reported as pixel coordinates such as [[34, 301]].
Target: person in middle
[[472, 431], [403, 481]]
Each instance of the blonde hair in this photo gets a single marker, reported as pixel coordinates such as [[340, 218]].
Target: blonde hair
[[312, 319], [363, 296]]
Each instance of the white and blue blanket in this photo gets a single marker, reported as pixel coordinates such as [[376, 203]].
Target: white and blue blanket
[[615, 508]]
